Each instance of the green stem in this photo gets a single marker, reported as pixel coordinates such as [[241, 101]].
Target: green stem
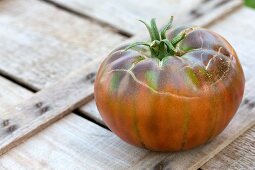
[[154, 29], [150, 30], [162, 50], [160, 46], [178, 38], [166, 27], [136, 44], [170, 46]]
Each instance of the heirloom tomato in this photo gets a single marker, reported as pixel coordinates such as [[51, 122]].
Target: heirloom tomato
[[175, 92]]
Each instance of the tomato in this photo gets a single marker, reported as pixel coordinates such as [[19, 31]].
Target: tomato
[[175, 92]]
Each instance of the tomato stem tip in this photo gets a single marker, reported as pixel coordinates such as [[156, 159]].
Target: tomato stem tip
[[159, 45]]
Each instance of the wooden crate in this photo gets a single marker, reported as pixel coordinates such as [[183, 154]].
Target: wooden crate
[[49, 53]]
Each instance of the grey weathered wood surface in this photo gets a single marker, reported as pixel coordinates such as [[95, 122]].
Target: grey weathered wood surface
[[70, 143], [124, 14], [238, 155], [43, 108], [49, 104], [9, 95], [200, 155], [41, 44]]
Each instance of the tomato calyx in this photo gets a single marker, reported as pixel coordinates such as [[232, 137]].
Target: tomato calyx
[[159, 45]]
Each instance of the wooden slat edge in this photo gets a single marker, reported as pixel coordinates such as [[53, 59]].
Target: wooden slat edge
[[240, 154], [222, 146], [221, 11], [208, 157], [49, 105], [188, 11]]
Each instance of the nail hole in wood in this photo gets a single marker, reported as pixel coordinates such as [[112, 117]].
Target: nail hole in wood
[[205, 1], [45, 109], [222, 2], [251, 105], [5, 122], [161, 165], [196, 13], [90, 76], [39, 104], [12, 128], [246, 101]]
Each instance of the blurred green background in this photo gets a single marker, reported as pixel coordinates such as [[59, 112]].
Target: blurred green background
[[250, 3]]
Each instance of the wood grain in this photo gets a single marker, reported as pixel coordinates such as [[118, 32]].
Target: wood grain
[[90, 109], [38, 51], [124, 14], [238, 155], [41, 110], [71, 143], [11, 95], [60, 108]]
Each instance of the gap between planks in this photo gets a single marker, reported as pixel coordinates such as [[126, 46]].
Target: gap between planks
[[51, 71], [123, 14], [70, 143], [82, 15], [81, 114], [44, 109]]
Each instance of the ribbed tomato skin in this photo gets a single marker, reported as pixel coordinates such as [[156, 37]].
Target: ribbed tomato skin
[[174, 104]]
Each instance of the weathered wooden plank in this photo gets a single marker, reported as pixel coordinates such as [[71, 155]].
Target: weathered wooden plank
[[60, 110], [11, 94], [90, 110], [124, 14], [40, 43], [71, 143], [40, 110], [80, 145], [238, 155]]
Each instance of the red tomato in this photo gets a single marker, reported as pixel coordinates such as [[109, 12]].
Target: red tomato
[[176, 92]]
